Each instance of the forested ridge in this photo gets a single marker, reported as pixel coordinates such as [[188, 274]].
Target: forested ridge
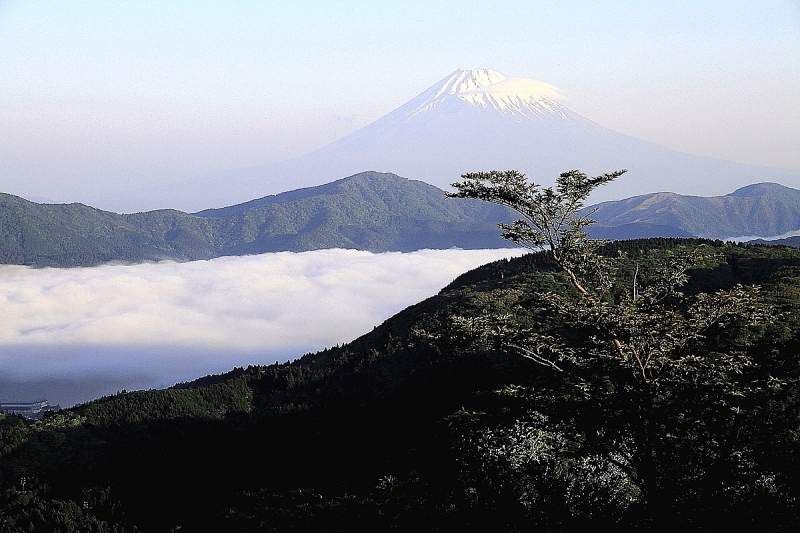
[[413, 428], [370, 211], [765, 209]]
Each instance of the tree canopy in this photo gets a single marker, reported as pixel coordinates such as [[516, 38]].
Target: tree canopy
[[656, 373]]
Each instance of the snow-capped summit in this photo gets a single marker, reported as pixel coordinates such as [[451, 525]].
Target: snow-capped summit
[[473, 120], [488, 89], [464, 81]]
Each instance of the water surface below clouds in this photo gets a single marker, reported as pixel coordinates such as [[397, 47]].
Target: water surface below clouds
[[70, 335]]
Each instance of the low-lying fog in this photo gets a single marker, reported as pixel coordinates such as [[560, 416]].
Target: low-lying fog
[[70, 335]]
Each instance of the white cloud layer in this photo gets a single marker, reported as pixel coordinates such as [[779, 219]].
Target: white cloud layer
[[149, 325]]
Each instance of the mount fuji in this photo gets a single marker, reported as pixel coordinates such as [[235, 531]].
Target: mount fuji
[[472, 120]]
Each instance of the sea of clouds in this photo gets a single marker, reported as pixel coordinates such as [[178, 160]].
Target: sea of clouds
[[71, 335]]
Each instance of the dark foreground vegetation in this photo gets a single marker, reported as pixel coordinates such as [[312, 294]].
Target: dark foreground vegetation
[[415, 427]]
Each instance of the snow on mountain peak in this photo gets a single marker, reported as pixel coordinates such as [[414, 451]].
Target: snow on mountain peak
[[462, 81], [488, 89]]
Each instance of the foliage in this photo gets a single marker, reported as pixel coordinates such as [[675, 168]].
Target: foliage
[[393, 432], [532, 462], [656, 374], [31, 509]]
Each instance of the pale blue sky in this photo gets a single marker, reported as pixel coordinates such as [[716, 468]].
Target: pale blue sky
[[108, 95]]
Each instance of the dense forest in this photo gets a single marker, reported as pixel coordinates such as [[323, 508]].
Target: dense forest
[[417, 427], [371, 211]]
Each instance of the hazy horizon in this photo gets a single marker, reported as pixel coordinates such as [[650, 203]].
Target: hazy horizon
[[110, 96]]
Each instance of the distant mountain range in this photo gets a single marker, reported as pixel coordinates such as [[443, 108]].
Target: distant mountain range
[[761, 210], [368, 211], [472, 120]]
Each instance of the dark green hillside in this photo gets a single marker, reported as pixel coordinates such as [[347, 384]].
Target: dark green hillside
[[764, 209], [369, 211], [78, 235], [410, 428]]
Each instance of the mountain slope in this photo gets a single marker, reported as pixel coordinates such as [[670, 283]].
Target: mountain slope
[[764, 209], [473, 120], [79, 235], [369, 211], [376, 435]]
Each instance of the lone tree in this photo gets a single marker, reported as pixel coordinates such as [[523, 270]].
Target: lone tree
[[660, 390]]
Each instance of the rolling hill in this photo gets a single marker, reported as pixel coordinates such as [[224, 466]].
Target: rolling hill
[[763, 210], [368, 211]]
